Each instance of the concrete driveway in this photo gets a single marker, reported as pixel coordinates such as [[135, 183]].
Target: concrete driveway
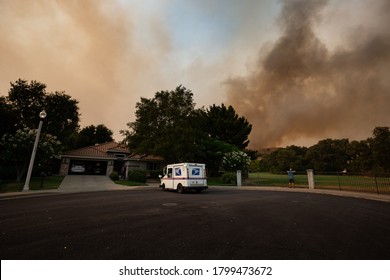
[[87, 183]]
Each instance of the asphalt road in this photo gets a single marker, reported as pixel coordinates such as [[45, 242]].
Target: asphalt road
[[217, 224]]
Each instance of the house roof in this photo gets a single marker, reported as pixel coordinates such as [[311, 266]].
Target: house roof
[[146, 157], [108, 151], [96, 151]]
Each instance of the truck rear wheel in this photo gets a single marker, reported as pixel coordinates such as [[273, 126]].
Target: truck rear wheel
[[180, 188]]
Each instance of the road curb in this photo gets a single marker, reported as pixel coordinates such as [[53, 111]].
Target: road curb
[[370, 196]]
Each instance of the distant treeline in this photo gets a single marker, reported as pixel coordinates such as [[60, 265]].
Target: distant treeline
[[329, 155]]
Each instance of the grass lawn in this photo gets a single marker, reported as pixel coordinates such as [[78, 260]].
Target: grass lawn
[[270, 179], [216, 181], [261, 179], [49, 183], [328, 181]]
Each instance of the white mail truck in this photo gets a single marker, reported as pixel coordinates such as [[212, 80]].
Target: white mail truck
[[184, 176]]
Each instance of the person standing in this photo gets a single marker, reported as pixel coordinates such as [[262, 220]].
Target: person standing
[[291, 178]]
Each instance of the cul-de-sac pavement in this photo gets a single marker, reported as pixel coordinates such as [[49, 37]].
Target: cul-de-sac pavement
[[221, 223]]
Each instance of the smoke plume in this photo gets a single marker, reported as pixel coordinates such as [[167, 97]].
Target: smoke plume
[[87, 48], [300, 89]]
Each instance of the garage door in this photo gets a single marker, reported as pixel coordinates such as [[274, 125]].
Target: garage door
[[80, 167]]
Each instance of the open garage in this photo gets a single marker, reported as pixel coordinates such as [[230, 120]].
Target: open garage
[[105, 158], [85, 167]]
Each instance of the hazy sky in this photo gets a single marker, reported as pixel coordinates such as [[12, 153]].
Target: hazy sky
[[300, 71]]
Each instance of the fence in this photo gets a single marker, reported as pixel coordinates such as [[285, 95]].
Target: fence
[[373, 183]]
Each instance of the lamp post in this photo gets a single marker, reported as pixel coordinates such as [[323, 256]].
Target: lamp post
[[42, 116]]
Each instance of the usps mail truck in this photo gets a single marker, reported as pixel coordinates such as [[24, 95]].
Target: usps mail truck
[[184, 176]]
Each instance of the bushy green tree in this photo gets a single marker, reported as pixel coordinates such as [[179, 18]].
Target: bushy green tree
[[17, 148], [334, 155], [236, 160], [7, 116], [283, 159], [360, 156], [168, 125], [380, 145], [329, 155], [163, 125], [62, 116], [211, 152], [91, 135], [223, 124], [26, 99]]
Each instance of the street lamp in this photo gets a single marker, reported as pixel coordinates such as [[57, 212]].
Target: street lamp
[[42, 116]]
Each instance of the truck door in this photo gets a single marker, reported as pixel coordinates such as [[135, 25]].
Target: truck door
[[197, 176], [168, 180]]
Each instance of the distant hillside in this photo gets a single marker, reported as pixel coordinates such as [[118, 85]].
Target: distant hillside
[[268, 150]]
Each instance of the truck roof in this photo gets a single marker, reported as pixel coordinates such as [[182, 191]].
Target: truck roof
[[186, 164]]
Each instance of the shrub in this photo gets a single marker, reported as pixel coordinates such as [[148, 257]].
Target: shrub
[[137, 176], [236, 160], [229, 178], [114, 176], [154, 174]]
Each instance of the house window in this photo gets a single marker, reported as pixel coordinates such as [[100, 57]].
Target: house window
[[153, 166]]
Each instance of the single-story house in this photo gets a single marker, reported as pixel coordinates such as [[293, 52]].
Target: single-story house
[[103, 159]]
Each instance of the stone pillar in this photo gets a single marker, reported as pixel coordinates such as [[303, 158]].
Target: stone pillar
[[238, 178], [310, 178], [110, 167], [64, 167]]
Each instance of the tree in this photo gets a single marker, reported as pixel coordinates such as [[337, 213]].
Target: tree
[[7, 116], [25, 101], [28, 101], [168, 125], [62, 116], [328, 155], [17, 148], [163, 126], [283, 159], [360, 156], [19, 112], [380, 145], [223, 124], [236, 160], [91, 135], [211, 152]]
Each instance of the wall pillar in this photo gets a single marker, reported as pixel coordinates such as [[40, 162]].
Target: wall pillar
[[239, 178], [64, 169], [310, 178], [110, 167]]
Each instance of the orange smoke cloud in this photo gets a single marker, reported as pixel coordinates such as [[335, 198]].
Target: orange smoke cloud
[[87, 48], [299, 89]]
